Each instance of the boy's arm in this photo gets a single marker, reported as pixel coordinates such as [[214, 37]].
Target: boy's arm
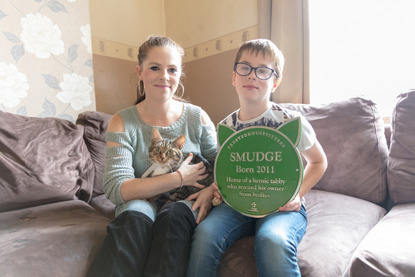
[[314, 170]]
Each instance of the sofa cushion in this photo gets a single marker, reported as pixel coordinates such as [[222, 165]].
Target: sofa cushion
[[58, 239], [401, 167], [352, 135], [336, 225], [103, 205], [95, 124], [42, 160], [388, 249]]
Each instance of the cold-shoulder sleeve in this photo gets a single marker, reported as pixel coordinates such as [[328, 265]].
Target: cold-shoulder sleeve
[[209, 141], [118, 166]]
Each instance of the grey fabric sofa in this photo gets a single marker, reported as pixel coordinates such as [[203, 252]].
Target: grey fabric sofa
[[53, 213], [361, 215], [388, 249], [49, 169]]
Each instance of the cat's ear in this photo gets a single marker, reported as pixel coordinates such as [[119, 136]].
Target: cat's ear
[[155, 135], [180, 141]]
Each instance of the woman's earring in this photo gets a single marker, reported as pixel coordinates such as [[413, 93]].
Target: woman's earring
[[140, 92], [180, 83]]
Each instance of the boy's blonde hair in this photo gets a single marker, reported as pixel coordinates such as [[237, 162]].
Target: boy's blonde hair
[[265, 47]]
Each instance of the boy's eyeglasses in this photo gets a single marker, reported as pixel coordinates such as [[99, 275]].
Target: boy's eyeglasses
[[262, 73]]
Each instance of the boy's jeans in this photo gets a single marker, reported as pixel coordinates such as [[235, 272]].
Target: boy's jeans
[[276, 239]]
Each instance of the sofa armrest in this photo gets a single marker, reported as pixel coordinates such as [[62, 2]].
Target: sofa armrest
[[103, 205]]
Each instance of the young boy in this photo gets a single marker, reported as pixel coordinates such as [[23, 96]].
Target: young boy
[[257, 73]]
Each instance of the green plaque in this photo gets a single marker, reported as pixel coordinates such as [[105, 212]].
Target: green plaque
[[259, 169]]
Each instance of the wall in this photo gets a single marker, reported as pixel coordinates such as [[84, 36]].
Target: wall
[[117, 29], [46, 58], [209, 31]]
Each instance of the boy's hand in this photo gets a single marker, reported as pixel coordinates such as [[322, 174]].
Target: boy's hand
[[294, 205], [217, 198], [203, 202]]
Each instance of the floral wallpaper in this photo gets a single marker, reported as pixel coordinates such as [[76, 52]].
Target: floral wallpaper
[[46, 58]]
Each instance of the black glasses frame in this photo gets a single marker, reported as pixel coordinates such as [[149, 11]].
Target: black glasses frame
[[255, 68]]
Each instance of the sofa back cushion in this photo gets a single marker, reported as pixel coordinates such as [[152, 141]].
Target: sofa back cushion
[[352, 135], [401, 167], [42, 160], [95, 124]]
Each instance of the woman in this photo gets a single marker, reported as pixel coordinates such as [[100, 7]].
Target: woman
[[143, 239]]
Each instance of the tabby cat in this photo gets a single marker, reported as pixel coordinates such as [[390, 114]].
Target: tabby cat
[[167, 156]]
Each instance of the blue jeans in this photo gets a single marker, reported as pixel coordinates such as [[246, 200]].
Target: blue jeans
[[276, 239]]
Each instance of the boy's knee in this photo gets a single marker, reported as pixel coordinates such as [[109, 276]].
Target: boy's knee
[[273, 240]]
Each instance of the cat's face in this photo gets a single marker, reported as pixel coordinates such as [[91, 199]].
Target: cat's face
[[166, 152]]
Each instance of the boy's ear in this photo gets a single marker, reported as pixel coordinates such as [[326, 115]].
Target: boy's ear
[[276, 84], [233, 78]]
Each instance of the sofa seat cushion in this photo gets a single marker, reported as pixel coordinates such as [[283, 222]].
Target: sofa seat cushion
[[401, 167], [42, 160], [336, 225], [58, 239], [388, 249]]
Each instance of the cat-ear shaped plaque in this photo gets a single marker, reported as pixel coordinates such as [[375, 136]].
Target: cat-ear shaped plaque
[[259, 169]]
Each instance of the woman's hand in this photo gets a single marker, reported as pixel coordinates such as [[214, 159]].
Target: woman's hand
[[191, 173], [203, 202], [294, 205]]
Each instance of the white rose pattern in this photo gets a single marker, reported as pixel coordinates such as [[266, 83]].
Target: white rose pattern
[[42, 49], [13, 85], [40, 36], [75, 90], [86, 37]]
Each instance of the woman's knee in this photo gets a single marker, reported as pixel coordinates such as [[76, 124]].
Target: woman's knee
[[142, 206], [175, 211]]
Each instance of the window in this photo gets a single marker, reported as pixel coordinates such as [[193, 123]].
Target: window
[[361, 48]]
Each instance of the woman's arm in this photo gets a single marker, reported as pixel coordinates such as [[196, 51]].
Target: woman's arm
[[203, 198], [142, 188]]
